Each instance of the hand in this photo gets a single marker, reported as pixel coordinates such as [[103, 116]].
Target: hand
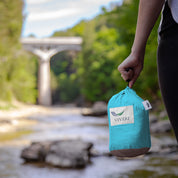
[[131, 67]]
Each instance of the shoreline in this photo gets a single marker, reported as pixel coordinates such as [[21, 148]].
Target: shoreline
[[22, 110], [15, 121]]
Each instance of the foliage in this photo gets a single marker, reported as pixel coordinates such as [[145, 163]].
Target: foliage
[[68, 87], [97, 65], [17, 76], [124, 20], [107, 41], [64, 83], [10, 25]]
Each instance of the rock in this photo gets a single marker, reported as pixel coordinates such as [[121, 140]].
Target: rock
[[155, 145], [161, 127], [95, 153], [5, 121], [170, 148], [163, 114], [175, 157], [163, 145], [98, 109], [153, 118], [62, 153], [69, 154], [36, 152]]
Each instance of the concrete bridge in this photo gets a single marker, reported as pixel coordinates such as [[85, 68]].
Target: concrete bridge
[[45, 48]]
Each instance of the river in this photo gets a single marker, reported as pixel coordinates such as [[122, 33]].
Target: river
[[72, 125]]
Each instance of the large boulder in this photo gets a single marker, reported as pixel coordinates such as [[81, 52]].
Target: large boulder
[[62, 153]]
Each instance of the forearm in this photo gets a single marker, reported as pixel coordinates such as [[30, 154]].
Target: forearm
[[148, 13]]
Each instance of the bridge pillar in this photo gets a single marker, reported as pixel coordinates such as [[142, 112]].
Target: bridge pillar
[[45, 48], [44, 89]]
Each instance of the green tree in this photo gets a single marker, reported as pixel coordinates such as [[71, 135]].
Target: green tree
[[97, 64], [17, 76]]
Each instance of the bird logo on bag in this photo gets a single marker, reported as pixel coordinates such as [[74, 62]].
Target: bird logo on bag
[[119, 114]]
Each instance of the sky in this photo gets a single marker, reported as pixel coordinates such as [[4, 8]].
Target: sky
[[43, 17]]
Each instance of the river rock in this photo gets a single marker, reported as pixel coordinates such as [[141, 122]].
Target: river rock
[[5, 121], [155, 145], [69, 154], [164, 145], [98, 109], [163, 114], [170, 148], [36, 152], [153, 119], [161, 127], [62, 153]]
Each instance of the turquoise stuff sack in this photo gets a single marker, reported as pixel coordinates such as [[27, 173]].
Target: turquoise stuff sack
[[129, 132]]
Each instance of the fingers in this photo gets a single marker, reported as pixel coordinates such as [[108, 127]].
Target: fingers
[[131, 83], [130, 75], [126, 73], [130, 68], [134, 78]]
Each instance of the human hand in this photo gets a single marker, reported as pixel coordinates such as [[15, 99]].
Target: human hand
[[130, 68]]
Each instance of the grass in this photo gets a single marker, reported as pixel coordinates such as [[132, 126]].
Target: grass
[[13, 135]]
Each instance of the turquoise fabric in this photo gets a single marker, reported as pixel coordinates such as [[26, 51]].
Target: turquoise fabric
[[130, 135]]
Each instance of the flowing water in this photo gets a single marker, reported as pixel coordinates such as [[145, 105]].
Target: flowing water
[[74, 126]]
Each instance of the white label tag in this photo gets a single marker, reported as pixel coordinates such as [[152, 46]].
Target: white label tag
[[147, 105], [121, 115]]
